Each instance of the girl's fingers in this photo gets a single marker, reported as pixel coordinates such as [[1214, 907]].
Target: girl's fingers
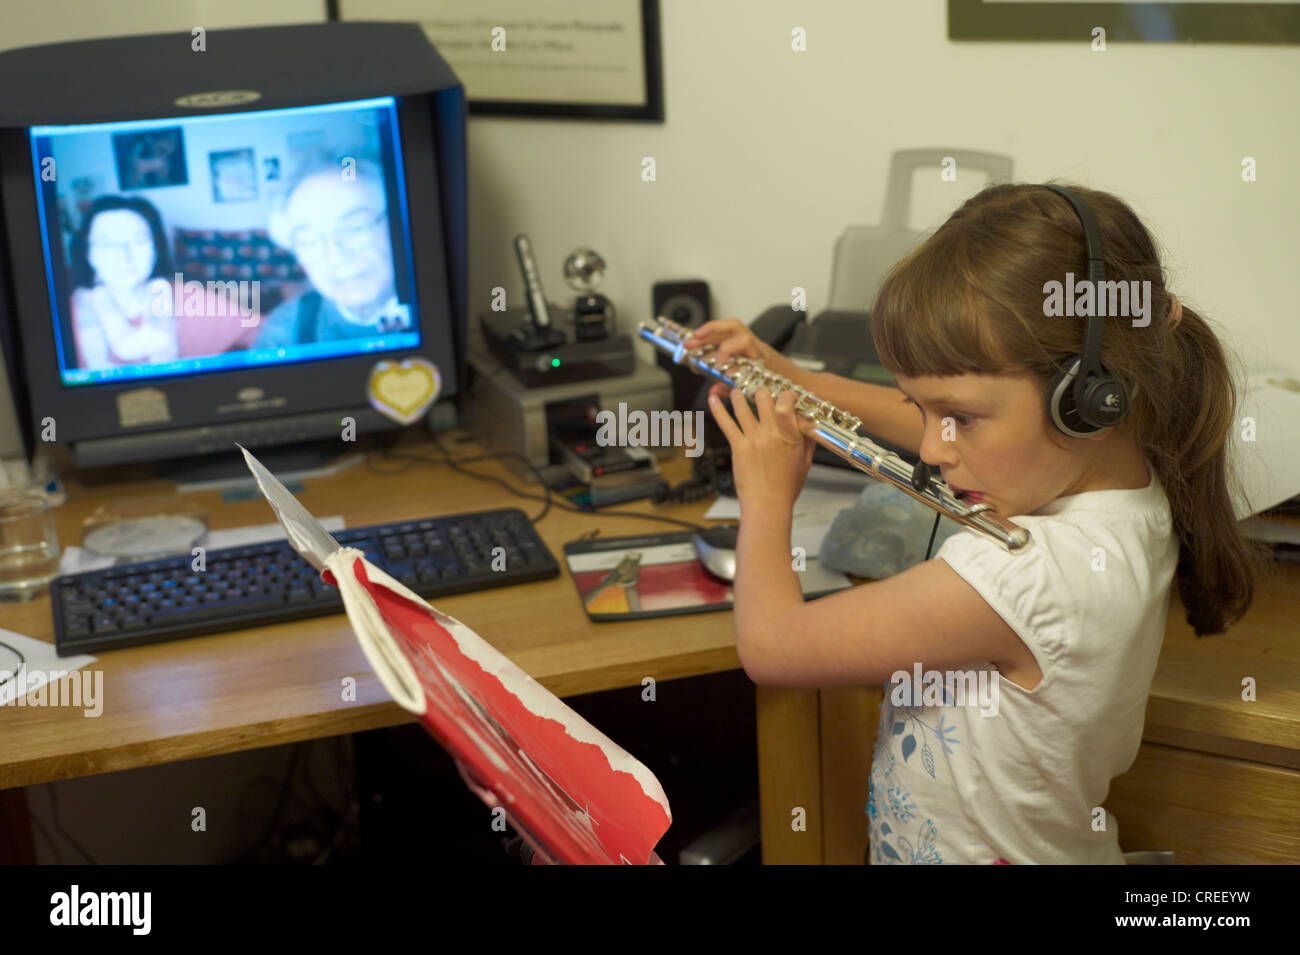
[[730, 347], [701, 335], [725, 424], [785, 411], [744, 417]]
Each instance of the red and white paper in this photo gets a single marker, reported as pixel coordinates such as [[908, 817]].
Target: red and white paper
[[572, 793]]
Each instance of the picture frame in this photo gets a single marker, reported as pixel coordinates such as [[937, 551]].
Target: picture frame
[[150, 159], [612, 69], [1137, 21], [234, 176]]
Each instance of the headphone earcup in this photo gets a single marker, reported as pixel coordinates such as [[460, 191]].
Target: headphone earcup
[[1105, 402]]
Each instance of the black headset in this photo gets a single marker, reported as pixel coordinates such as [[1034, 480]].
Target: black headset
[[1084, 398]]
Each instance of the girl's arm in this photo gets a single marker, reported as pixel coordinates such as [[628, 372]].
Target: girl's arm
[[927, 615]]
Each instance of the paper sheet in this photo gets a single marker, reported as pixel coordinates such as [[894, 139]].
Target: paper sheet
[[1267, 460], [75, 560], [827, 491], [38, 659]]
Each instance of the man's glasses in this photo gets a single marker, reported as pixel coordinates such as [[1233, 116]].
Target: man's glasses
[[353, 234]]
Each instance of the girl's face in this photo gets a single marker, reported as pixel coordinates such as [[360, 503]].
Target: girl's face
[[120, 248], [998, 441]]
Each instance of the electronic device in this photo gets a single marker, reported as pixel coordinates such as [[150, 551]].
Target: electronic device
[[565, 362], [510, 418], [1084, 398], [593, 313], [716, 548], [528, 343], [260, 584], [686, 302], [710, 476], [221, 248], [537, 332], [587, 460]]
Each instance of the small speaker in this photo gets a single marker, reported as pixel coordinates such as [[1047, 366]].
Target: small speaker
[[685, 302]]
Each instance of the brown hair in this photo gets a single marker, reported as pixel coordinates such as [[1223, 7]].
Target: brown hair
[[970, 300]]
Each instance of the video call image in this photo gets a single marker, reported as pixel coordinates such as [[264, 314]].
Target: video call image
[[181, 246]]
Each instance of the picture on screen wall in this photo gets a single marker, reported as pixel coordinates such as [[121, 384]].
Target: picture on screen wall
[[234, 177], [149, 159]]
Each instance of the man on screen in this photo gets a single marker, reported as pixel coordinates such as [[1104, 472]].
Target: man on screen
[[333, 216]]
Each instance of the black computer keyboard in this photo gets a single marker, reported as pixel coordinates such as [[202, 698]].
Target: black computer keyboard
[[265, 583]]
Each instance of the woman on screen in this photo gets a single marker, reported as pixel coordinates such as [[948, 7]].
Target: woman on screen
[[122, 302]]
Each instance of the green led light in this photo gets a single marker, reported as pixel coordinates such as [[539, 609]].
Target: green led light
[[555, 363]]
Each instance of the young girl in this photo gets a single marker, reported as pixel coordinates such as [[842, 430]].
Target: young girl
[[1069, 630]]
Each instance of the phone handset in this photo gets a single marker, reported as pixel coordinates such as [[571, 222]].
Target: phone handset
[[537, 307]]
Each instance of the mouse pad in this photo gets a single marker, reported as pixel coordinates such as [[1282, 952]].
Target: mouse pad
[[658, 575]]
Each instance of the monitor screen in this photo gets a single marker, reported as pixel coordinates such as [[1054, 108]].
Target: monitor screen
[[196, 244]]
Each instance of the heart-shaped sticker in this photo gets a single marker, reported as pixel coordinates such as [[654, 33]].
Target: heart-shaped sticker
[[403, 390]]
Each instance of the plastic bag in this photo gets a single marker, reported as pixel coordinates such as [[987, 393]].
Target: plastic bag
[[884, 532]]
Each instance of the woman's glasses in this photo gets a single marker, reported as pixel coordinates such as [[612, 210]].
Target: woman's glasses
[[130, 246]]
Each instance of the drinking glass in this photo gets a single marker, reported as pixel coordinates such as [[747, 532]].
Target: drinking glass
[[29, 546]]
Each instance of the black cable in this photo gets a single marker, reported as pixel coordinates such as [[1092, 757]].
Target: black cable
[[58, 826], [455, 465], [933, 529], [21, 660]]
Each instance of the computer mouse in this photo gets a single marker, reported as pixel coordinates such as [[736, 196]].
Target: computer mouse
[[716, 548]]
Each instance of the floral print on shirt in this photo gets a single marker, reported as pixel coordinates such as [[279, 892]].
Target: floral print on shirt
[[898, 834]]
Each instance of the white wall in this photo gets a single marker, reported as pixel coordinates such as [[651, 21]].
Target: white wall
[[54, 21], [767, 154]]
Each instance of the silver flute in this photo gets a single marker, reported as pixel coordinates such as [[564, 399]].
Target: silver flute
[[836, 431]]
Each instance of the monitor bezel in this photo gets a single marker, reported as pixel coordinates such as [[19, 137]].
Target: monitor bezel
[[92, 411]]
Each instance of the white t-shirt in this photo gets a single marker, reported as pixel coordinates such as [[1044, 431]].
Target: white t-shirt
[[949, 785]]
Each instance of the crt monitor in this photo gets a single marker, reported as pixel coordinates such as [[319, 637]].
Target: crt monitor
[[189, 281]]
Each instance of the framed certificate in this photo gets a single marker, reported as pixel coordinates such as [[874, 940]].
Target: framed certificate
[[587, 59], [1151, 21]]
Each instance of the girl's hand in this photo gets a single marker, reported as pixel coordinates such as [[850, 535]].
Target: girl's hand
[[770, 454], [734, 337]]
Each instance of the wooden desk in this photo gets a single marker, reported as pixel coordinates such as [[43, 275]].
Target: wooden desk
[[280, 684], [1217, 780]]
